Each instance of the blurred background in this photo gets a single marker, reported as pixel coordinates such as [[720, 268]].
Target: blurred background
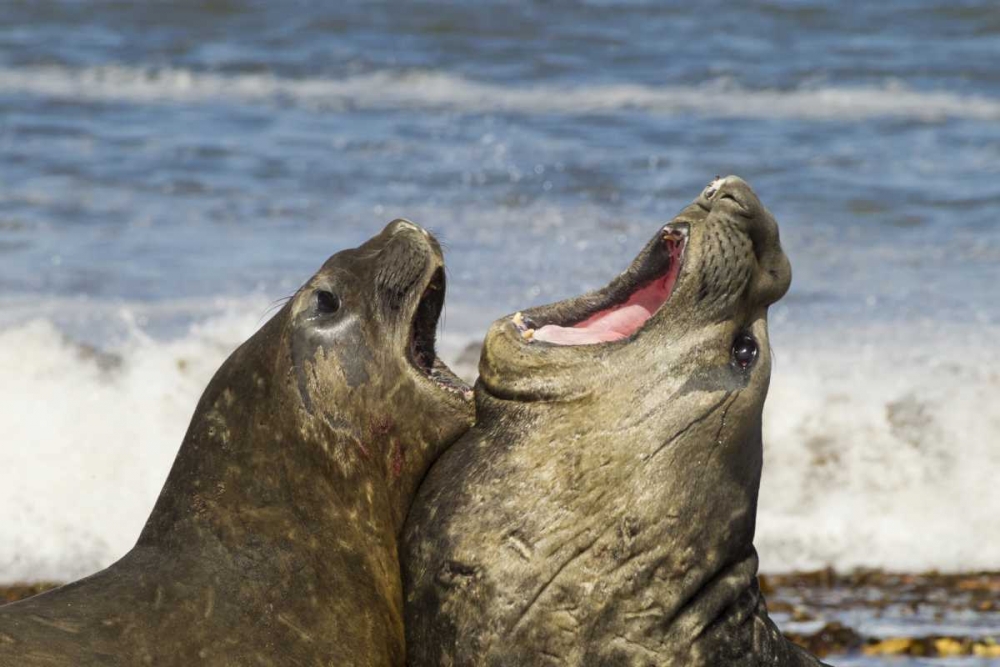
[[168, 171]]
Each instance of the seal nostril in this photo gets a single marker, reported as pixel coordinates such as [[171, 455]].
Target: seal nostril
[[401, 225], [741, 210], [713, 188]]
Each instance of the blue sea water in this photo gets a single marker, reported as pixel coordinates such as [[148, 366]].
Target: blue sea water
[[167, 170], [157, 151]]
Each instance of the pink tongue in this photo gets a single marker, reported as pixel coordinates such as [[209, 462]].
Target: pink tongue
[[552, 333], [614, 323]]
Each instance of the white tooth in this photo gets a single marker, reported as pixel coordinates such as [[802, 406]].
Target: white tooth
[[528, 334], [518, 320]]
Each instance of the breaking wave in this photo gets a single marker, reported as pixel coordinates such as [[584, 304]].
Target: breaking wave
[[880, 450], [438, 90], [874, 455]]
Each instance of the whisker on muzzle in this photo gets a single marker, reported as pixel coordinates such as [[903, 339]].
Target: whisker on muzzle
[[277, 304]]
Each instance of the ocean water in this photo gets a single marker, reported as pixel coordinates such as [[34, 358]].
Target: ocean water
[[167, 173]]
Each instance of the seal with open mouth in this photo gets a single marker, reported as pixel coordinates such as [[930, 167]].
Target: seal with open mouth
[[601, 511], [274, 540]]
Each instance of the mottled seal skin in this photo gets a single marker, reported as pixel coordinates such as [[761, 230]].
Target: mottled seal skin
[[601, 511], [274, 540]]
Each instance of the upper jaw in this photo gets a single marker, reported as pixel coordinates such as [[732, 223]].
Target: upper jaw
[[619, 311]]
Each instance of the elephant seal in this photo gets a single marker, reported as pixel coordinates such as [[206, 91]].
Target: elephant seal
[[602, 509], [274, 539]]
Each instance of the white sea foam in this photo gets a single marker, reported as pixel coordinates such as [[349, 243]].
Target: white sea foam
[[88, 439], [881, 450], [439, 90], [88, 436], [881, 446]]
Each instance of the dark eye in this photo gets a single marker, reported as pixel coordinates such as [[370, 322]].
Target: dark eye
[[327, 302], [744, 350]]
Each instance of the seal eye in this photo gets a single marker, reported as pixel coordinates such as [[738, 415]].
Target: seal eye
[[744, 350], [327, 302]]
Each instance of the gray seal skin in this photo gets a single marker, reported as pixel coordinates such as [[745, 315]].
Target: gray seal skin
[[274, 539], [602, 509]]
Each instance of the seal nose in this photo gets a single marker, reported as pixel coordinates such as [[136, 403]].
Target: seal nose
[[731, 197], [732, 188], [708, 194], [403, 232], [402, 225]]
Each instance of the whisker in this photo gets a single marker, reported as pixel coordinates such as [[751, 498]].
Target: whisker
[[275, 305], [441, 238]]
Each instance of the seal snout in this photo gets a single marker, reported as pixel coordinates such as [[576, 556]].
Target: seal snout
[[402, 225], [712, 188], [411, 236], [730, 191], [732, 198]]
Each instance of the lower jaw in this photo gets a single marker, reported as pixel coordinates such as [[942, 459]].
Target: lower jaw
[[446, 380]]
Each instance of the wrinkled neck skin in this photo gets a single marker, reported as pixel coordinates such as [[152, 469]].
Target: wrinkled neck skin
[[679, 549]]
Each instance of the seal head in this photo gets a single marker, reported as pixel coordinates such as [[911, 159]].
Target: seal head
[[346, 377], [719, 261], [601, 511]]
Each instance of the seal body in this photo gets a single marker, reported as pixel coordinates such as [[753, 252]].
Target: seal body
[[274, 539], [602, 510]]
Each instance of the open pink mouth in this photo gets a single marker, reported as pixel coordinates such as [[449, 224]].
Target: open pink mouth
[[647, 287]]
